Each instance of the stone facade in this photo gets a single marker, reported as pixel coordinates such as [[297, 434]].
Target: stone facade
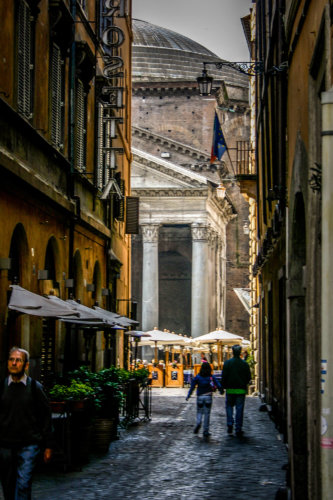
[[202, 248], [54, 222]]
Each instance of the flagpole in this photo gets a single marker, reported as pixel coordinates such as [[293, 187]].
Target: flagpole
[[232, 166]]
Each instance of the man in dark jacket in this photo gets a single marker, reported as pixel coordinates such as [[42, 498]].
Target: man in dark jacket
[[236, 375], [25, 427]]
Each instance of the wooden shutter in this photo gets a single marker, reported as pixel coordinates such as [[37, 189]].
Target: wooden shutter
[[24, 60], [57, 105], [132, 215], [80, 126]]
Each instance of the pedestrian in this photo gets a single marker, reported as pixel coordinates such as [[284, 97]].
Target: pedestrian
[[203, 358], [206, 384], [25, 427], [236, 375]]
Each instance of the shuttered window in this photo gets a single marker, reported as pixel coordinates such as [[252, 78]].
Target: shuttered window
[[132, 215], [80, 126], [57, 97], [24, 59]]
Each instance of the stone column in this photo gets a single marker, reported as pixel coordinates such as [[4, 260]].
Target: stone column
[[199, 313], [150, 276]]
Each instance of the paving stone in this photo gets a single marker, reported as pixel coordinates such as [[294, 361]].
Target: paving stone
[[164, 459]]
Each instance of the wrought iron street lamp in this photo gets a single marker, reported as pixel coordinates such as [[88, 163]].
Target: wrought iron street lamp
[[251, 68]]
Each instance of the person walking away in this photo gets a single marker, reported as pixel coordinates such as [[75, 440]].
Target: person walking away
[[25, 427], [236, 375], [206, 384]]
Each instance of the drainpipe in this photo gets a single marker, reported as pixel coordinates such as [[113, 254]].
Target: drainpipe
[[71, 139], [326, 297]]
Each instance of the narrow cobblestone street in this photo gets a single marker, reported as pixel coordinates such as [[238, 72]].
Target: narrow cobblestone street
[[164, 459]]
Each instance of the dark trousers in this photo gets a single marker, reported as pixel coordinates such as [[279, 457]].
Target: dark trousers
[[238, 401], [16, 468]]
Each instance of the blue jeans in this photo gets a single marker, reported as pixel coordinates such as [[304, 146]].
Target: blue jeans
[[237, 400], [16, 468], [204, 405]]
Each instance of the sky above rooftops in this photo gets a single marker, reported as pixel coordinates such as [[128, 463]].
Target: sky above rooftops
[[216, 24]]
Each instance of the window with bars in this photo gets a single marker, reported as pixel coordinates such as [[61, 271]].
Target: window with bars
[[80, 126], [57, 91], [24, 59], [47, 368]]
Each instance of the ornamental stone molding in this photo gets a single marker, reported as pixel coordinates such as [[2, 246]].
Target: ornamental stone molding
[[170, 144], [150, 233], [212, 238], [174, 193], [163, 168], [200, 232], [166, 91]]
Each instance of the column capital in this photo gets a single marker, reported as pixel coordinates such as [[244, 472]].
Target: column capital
[[150, 232], [200, 232]]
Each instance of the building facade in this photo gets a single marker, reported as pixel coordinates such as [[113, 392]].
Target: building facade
[[65, 94], [192, 250], [293, 119]]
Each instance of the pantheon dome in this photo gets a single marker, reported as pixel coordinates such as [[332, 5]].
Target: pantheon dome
[[160, 54]]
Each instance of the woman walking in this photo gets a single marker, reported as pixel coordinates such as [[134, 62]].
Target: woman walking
[[206, 384]]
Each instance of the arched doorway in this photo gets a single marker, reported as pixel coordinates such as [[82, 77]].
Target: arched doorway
[[78, 276], [18, 274], [297, 346], [97, 281], [51, 285]]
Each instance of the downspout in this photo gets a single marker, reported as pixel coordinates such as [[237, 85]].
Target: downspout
[[71, 138], [326, 375], [70, 193]]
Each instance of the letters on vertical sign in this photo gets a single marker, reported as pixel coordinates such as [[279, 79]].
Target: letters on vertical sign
[[113, 37]]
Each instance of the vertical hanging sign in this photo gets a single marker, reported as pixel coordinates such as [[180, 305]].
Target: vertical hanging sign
[[112, 38]]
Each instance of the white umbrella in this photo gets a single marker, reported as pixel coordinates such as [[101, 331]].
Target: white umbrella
[[219, 337], [164, 338]]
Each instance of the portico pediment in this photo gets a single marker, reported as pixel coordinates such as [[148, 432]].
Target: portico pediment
[[152, 173]]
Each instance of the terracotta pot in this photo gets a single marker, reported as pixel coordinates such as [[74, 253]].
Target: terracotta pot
[[104, 431], [58, 406]]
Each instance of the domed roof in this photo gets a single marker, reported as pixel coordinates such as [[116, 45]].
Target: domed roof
[[160, 54]]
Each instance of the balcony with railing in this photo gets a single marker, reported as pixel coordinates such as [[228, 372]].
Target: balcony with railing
[[245, 171]]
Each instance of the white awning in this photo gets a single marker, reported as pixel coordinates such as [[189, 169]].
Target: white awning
[[26, 302], [244, 296]]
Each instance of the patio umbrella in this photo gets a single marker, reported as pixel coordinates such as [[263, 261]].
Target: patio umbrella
[[136, 334], [163, 338], [226, 338], [219, 337]]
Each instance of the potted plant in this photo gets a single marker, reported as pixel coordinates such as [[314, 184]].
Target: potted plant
[[74, 394], [108, 387], [72, 400]]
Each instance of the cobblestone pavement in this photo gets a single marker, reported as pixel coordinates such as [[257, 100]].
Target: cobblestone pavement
[[164, 459]]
